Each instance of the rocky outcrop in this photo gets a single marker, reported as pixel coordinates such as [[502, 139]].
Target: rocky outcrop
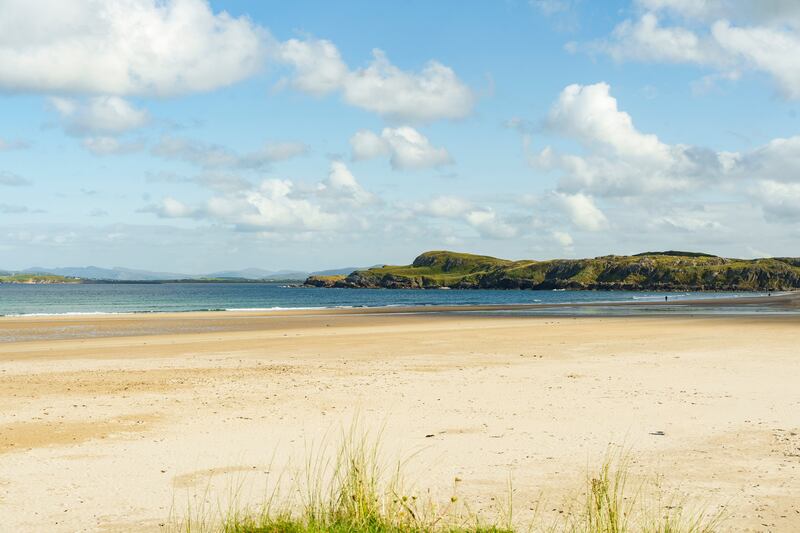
[[668, 271]]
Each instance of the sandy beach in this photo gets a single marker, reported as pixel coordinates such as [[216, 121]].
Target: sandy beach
[[114, 423]]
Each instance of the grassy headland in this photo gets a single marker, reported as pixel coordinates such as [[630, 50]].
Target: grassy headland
[[647, 271], [37, 279]]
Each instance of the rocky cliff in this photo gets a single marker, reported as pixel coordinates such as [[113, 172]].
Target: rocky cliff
[[671, 271]]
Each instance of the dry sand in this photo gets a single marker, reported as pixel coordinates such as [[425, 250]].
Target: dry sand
[[111, 423]]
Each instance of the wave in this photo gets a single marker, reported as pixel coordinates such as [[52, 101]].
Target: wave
[[74, 313], [318, 308]]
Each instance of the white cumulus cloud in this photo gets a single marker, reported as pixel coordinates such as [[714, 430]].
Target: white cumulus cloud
[[563, 238], [620, 160], [655, 186], [435, 92], [489, 225], [406, 147], [444, 207], [729, 36], [582, 211], [278, 206], [779, 201], [341, 184], [123, 48], [100, 114], [590, 114]]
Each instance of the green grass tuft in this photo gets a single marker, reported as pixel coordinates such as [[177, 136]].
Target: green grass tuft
[[355, 493]]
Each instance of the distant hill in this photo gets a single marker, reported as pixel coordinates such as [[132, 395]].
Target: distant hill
[[35, 279], [256, 273], [649, 271], [113, 274], [336, 271], [93, 273]]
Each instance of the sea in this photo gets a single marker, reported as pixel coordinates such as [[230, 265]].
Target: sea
[[175, 297]]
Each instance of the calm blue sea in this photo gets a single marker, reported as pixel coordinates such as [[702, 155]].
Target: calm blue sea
[[126, 298]]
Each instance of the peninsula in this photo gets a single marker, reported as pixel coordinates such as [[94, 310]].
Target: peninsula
[[669, 271], [36, 279]]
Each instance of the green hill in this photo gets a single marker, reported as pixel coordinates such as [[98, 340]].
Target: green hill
[[36, 279], [649, 271]]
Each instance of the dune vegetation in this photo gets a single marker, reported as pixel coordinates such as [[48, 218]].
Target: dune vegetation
[[648, 271], [357, 493]]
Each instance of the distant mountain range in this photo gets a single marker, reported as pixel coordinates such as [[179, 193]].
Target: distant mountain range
[[130, 274], [115, 274]]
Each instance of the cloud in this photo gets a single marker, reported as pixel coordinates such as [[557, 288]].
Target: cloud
[[341, 184], [220, 181], [666, 189], [552, 7], [582, 211], [563, 238], [484, 220], [111, 145], [407, 148], [281, 151], [688, 220], [10, 179], [728, 36], [444, 207], [318, 65], [770, 50], [6, 145], [779, 201], [750, 11], [8, 209], [590, 114], [215, 180], [564, 12], [172, 208], [273, 207], [279, 206], [101, 114], [620, 160], [778, 160], [136, 47], [489, 225], [433, 93], [646, 40], [212, 156], [366, 144]]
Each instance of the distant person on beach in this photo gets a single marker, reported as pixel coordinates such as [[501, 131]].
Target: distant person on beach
[[666, 298]]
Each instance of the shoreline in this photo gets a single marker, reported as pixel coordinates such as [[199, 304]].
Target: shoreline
[[786, 301]]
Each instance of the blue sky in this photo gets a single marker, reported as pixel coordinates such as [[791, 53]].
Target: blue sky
[[191, 136]]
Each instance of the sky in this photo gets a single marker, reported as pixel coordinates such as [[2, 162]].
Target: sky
[[194, 136]]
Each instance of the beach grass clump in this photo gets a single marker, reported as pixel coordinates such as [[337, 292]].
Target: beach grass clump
[[355, 493], [615, 504]]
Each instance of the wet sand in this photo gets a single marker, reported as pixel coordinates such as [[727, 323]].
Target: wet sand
[[111, 423]]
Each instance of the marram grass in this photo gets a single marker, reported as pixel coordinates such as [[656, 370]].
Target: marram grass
[[355, 493]]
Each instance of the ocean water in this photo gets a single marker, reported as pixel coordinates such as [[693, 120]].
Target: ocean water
[[127, 298]]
